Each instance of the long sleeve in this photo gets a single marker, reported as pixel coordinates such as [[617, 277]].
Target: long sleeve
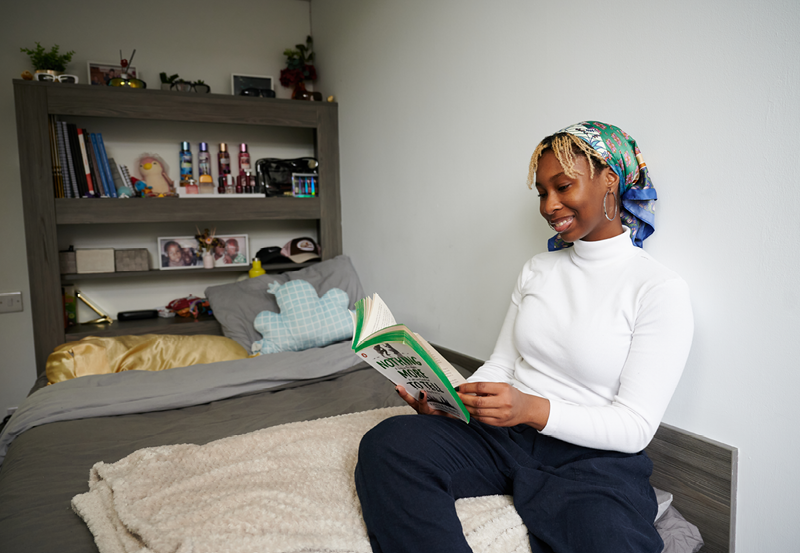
[[500, 366]]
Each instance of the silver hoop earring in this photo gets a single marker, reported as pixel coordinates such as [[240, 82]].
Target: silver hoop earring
[[616, 206]]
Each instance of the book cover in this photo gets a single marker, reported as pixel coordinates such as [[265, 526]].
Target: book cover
[[82, 145], [112, 190], [94, 161], [99, 186], [70, 306], [62, 157], [405, 358], [58, 182], [73, 181], [77, 161]]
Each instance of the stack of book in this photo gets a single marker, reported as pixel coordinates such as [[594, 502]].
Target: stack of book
[[81, 167]]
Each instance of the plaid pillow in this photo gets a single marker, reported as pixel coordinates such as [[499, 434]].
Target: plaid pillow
[[305, 321]]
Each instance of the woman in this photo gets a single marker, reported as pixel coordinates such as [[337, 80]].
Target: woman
[[591, 350]]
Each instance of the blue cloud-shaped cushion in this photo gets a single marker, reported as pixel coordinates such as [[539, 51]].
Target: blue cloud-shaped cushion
[[305, 321]]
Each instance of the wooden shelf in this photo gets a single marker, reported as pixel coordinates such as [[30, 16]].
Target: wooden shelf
[[88, 211], [46, 217], [165, 105], [152, 273], [176, 325]]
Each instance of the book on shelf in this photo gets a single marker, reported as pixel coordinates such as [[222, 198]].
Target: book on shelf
[[77, 161], [55, 159], [73, 180], [81, 167], [405, 357], [105, 167], [94, 166], [70, 305], [62, 157], [86, 167]]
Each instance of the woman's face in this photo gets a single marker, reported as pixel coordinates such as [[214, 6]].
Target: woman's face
[[573, 207]]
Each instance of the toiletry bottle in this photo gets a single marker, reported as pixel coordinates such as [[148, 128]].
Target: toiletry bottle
[[221, 187], [191, 186], [240, 184], [203, 160], [186, 163], [229, 187], [257, 269], [224, 160], [244, 159], [248, 183], [204, 170]]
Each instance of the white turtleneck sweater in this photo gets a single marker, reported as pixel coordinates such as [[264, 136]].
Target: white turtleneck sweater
[[603, 331]]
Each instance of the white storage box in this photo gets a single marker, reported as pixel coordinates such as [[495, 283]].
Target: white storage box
[[95, 261]]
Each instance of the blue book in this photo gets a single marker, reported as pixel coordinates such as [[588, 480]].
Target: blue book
[[112, 189], [99, 173]]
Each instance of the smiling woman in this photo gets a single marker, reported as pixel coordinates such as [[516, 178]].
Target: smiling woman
[[591, 350]]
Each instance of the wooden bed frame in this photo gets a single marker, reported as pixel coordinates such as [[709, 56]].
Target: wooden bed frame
[[698, 472]]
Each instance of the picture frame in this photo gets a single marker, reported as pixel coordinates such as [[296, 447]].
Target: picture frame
[[241, 82], [100, 73], [181, 252]]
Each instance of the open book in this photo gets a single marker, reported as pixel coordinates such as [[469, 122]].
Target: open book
[[404, 357]]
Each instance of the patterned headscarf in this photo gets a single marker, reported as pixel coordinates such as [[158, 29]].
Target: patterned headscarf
[[636, 191]]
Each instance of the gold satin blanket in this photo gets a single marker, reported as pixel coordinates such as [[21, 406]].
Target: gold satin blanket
[[148, 352]]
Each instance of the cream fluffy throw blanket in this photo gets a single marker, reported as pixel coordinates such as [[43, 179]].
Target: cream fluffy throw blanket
[[283, 489]]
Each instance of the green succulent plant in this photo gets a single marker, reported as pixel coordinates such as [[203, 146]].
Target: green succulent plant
[[42, 59]]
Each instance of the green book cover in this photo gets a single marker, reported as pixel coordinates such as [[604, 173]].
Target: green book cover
[[405, 358]]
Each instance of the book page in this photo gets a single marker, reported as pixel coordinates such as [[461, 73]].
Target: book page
[[376, 316], [449, 370]]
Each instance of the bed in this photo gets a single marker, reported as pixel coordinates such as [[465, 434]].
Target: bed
[[294, 416]]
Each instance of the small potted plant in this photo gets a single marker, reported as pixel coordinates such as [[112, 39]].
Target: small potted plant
[[50, 61], [166, 82]]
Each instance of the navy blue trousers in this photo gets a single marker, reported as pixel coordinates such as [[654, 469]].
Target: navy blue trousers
[[572, 499]]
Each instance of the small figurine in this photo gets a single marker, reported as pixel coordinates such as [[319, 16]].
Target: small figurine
[[155, 173], [140, 187]]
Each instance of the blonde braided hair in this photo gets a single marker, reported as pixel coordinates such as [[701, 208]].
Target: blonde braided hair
[[566, 147]]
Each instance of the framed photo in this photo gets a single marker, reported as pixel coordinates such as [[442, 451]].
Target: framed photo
[[241, 82], [101, 73], [235, 253], [178, 252]]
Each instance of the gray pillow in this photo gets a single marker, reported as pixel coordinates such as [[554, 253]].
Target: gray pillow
[[236, 305]]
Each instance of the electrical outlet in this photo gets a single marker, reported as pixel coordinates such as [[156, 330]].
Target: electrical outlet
[[10, 302]]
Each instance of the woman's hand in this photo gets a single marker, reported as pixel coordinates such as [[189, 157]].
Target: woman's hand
[[500, 404], [420, 403]]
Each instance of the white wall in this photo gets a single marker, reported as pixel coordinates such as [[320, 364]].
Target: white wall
[[441, 104], [203, 39]]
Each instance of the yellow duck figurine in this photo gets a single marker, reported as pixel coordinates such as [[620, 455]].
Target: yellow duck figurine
[[154, 174]]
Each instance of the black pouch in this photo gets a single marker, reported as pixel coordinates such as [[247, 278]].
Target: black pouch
[[275, 174]]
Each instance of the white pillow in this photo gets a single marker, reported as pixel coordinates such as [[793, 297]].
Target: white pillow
[[664, 500]]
